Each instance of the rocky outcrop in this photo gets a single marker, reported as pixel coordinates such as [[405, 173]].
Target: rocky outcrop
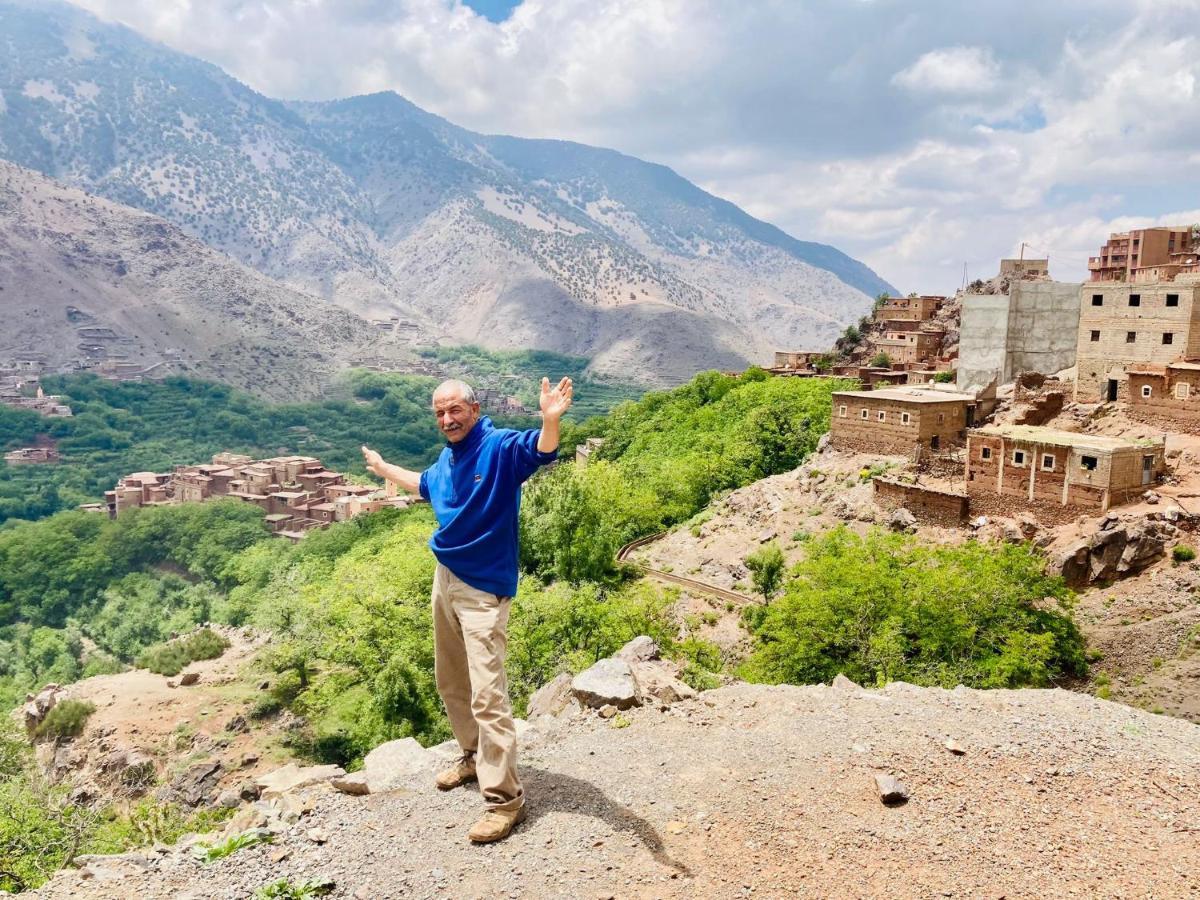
[[552, 698], [397, 765], [608, 682], [1116, 550], [37, 706], [291, 777], [634, 676]]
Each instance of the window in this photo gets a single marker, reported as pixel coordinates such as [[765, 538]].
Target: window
[[1147, 391], [1048, 461], [1018, 457], [1172, 299], [1182, 391], [1097, 299], [1095, 336], [864, 414], [1130, 337], [1087, 462], [904, 418], [941, 418], [882, 416], [985, 453], [1168, 337], [842, 411], [1135, 299]]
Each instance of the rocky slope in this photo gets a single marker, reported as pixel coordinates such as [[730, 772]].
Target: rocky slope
[[82, 278], [753, 791], [388, 210]]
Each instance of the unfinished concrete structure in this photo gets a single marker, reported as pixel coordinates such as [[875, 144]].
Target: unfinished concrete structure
[[1031, 465], [1025, 268], [1167, 394], [1147, 254], [1032, 328], [898, 420], [1122, 325]]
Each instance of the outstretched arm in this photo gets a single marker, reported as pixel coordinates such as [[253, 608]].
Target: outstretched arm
[[554, 402], [405, 479]]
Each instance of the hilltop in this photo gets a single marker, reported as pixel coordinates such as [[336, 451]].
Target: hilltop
[[387, 210], [758, 790]]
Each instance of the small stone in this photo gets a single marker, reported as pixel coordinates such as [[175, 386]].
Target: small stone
[[187, 679], [607, 711], [354, 783], [278, 856], [317, 835], [954, 747], [675, 827], [891, 791], [228, 799]]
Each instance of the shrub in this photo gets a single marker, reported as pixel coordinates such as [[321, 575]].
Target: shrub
[[944, 377], [1182, 553], [881, 361], [170, 658], [66, 719], [209, 852], [886, 607], [285, 890], [766, 567]]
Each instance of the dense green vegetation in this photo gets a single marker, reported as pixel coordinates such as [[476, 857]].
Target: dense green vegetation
[[170, 657], [663, 459], [126, 427], [888, 607]]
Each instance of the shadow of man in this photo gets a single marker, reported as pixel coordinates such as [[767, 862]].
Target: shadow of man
[[549, 791]]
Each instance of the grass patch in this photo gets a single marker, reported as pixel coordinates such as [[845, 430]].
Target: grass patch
[[170, 658], [66, 719], [285, 890], [210, 852], [1183, 553]]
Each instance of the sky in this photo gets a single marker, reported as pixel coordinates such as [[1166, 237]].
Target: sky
[[924, 137]]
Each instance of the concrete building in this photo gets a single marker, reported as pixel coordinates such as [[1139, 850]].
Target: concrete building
[[1147, 254], [1123, 325], [898, 420], [1032, 328], [1031, 465], [1169, 393]]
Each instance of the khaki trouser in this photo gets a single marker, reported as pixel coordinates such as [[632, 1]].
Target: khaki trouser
[[470, 639]]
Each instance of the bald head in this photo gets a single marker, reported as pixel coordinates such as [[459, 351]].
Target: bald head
[[456, 409]]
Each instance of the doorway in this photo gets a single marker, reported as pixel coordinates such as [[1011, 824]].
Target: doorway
[[1111, 393], [1147, 469]]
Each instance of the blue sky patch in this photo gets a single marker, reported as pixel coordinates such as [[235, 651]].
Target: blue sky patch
[[493, 10]]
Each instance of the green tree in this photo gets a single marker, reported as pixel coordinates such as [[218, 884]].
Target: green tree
[[881, 361], [766, 566]]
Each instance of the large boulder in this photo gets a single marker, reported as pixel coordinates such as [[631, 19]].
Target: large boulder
[[398, 764], [641, 649], [610, 681], [196, 785], [552, 698], [1113, 552], [657, 680]]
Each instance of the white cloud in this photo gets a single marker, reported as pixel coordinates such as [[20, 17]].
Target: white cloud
[[953, 70], [916, 136]]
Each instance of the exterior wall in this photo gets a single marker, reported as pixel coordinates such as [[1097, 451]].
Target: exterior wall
[[1025, 268], [1034, 328], [1163, 404], [907, 309], [1107, 357], [945, 420], [926, 505]]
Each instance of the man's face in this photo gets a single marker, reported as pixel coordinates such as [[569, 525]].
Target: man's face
[[455, 416]]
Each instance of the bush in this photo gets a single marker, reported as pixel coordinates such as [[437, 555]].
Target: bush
[[766, 567], [66, 719], [944, 377], [887, 607], [1182, 553], [881, 361], [171, 657]]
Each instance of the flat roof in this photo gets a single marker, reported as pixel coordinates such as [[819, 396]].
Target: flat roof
[[912, 394], [1038, 434]]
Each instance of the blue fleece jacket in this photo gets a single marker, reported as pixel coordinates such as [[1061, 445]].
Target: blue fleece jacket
[[475, 491]]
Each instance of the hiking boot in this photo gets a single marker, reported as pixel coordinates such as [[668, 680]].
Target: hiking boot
[[461, 772], [496, 824]]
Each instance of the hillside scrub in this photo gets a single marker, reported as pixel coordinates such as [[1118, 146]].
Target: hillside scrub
[[171, 657], [887, 607], [663, 459]]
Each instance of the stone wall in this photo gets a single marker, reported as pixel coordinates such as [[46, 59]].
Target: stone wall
[[926, 504]]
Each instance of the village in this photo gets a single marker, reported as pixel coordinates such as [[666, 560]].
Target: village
[[996, 398]]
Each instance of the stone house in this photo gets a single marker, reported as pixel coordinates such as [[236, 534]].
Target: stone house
[[1036, 466], [1124, 325], [908, 309], [908, 347], [1168, 393], [898, 420]]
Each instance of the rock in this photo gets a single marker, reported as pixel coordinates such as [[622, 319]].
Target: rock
[[1151, 497], [823, 443], [1011, 534], [264, 685], [171, 683], [640, 649], [317, 835], [891, 791], [552, 698], [187, 679], [979, 522], [657, 680], [842, 683], [355, 783], [902, 520], [195, 786], [38, 705], [397, 764], [608, 681], [248, 760], [607, 711], [237, 725], [228, 800], [248, 790], [767, 535], [1029, 526], [292, 777], [954, 747], [243, 820]]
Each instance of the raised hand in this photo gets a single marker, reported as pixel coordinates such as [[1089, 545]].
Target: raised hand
[[555, 400], [373, 460]]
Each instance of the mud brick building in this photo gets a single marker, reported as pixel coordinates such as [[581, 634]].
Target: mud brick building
[[898, 420], [26, 456], [1029, 465], [908, 309], [1169, 393], [796, 360], [909, 347], [1124, 325]]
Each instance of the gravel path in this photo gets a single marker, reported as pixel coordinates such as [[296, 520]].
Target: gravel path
[[769, 792]]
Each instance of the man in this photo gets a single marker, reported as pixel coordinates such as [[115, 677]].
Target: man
[[475, 491]]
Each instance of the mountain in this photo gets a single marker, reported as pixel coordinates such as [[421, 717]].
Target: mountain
[[387, 210], [84, 278]]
